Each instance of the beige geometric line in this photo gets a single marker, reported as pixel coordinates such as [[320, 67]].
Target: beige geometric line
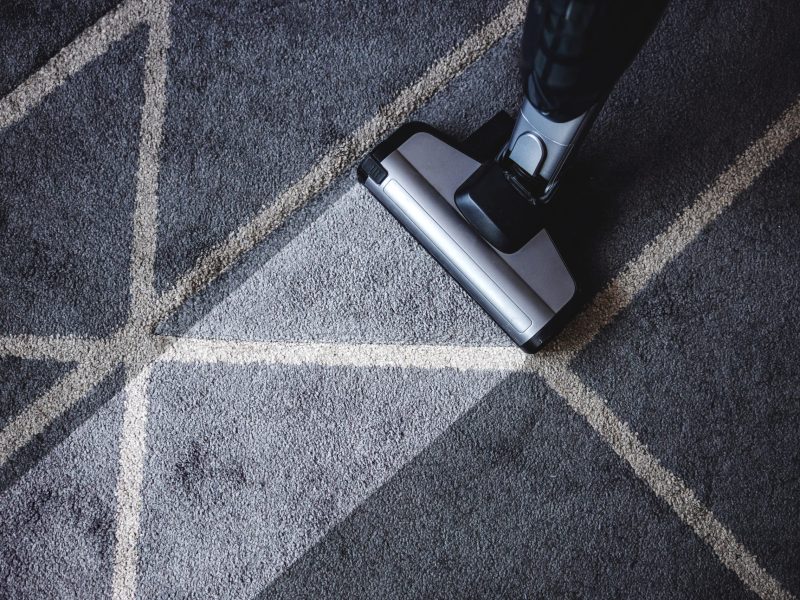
[[664, 483], [53, 403], [219, 258], [128, 346], [124, 343], [341, 155], [134, 427], [90, 44], [129, 485], [635, 276], [63, 348], [552, 366], [145, 216], [473, 358], [554, 371]]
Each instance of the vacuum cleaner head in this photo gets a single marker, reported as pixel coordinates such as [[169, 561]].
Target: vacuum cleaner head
[[520, 280]]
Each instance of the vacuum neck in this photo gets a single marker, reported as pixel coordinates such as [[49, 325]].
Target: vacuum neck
[[539, 147]]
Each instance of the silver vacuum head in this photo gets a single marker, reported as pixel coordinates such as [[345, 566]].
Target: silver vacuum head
[[415, 174]]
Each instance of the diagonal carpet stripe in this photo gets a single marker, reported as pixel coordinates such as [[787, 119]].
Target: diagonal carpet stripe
[[53, 403], [681, 232], [552, 365], [145, 226], [145, 223], [222, 257], [342, 155], [90, 44], [664, 483], [63, 348]]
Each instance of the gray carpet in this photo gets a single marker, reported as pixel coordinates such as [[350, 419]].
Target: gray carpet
[[204, 393]]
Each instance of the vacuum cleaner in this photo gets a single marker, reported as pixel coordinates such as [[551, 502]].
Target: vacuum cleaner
[[478, 205]]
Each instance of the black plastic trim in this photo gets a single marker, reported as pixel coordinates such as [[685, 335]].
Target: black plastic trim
[[485, 143], [372, 169], [554, 326]]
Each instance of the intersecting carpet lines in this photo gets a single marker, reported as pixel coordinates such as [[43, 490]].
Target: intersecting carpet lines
[[137, 347], [134, 345]]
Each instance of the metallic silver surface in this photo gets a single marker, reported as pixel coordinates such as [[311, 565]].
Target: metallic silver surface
[[559, 139], [521, 291], [452, 247], [528, 152]]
